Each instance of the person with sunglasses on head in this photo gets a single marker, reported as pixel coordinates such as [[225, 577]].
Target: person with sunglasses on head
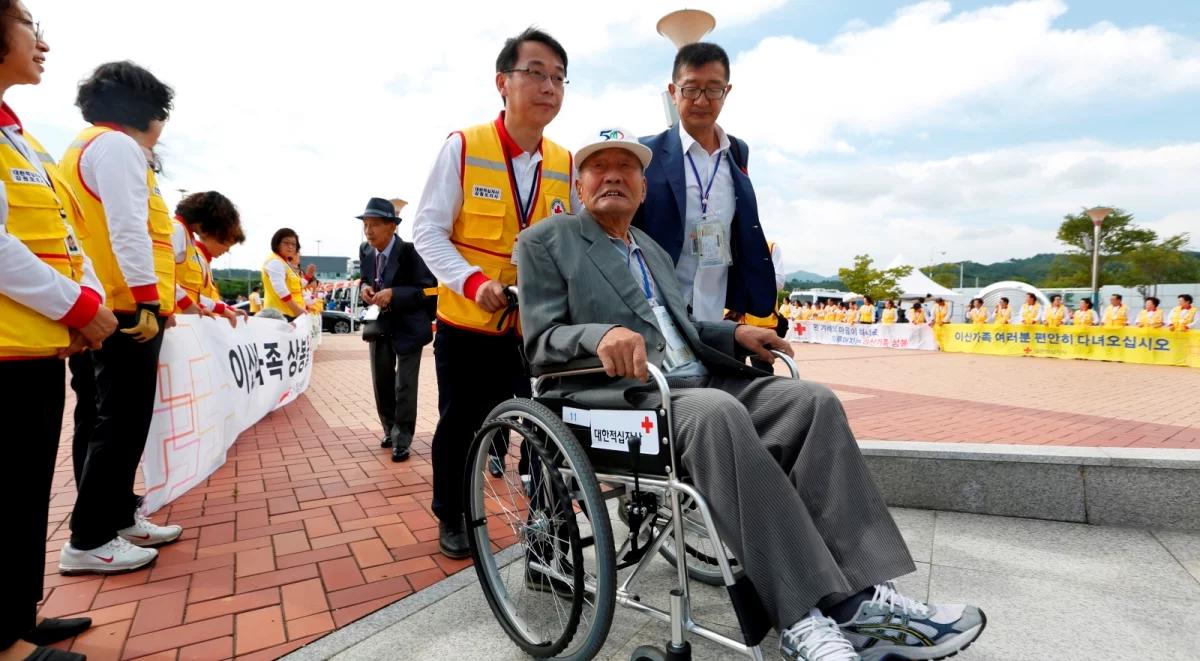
[[490, 181], [51, 305], [700, 205], [111, 169]]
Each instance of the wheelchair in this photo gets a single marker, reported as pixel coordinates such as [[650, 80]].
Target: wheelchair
[[541, 536]]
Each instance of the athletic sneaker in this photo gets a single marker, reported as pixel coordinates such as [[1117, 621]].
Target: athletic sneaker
[[815, 638], [114, 557], [145, 532], [893, 625]]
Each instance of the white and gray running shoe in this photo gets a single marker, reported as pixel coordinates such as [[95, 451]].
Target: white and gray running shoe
[[815, 638], [145, 532], [891, 625]]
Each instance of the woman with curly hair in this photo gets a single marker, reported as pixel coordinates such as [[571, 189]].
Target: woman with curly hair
[[207, 226]]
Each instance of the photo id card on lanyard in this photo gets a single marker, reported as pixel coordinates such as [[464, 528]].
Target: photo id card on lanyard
[[524, 206], [678, 352], [710, 238]]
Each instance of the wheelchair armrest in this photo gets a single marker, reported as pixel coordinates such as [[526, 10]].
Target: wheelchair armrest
[[787, 360], [581, 366]]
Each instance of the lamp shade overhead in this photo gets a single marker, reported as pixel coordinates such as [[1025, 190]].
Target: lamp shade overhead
[[1098, 214], [399, 204], [686, 26]]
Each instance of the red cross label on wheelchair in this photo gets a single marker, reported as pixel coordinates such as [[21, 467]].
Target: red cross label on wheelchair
[[613, 429]]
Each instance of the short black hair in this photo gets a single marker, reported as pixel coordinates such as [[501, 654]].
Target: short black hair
[[1057, 297], [214, 213], [281, 234], [916, 306], [1186, 297], [6, 19], [126, 94], [1118, 297], [1155, 299], [1086, 300], [507, 59], [1003, 299], [698, 55]]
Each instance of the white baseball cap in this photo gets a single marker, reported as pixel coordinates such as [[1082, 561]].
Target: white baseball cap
[[614, 138]]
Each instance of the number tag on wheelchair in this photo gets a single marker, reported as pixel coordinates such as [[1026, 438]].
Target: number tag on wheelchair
[[613, 429]]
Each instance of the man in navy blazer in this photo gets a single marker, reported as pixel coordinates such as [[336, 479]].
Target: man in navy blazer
[[700, 204]]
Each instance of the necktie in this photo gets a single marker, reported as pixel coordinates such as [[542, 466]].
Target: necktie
[[379, 263]]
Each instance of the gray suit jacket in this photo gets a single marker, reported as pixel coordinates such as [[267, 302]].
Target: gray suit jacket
[[575, 287]]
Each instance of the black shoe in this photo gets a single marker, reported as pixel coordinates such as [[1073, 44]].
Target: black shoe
[[496, 466], [54, 654], [386, 442], [399, 455], [452, 541], [52, 630]]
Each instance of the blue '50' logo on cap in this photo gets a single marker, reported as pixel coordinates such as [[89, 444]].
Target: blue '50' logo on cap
[[612, 134]]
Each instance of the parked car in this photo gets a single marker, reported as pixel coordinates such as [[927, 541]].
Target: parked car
[[332, 321]]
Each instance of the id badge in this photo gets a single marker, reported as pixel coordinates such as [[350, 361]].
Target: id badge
[[678, 351], [513, 259], [710, 244]]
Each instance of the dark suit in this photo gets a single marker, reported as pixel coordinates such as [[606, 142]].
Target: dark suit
[[405, 328], [751, 287]]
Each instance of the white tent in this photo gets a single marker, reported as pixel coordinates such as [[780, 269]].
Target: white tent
[[917, 284]]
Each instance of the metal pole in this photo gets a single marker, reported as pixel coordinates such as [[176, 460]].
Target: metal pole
[[960, 274], [1096, 264]]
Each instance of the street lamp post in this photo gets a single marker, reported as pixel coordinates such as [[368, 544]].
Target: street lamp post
[[1097, 214], [683, 27]]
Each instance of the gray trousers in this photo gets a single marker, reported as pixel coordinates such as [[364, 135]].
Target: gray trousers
[[395, 379], [788, 487]]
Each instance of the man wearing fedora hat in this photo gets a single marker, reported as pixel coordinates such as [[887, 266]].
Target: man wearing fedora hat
[[394, 277]]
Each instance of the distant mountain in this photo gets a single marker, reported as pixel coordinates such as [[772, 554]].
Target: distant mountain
[[809, 276]]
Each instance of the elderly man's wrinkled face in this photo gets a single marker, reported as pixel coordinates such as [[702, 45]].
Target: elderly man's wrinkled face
[[611, 182]]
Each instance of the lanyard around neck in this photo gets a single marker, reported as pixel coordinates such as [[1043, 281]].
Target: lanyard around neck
[[704, 190], [524, 205]]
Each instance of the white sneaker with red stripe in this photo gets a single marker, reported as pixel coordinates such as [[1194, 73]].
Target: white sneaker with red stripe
[[145, 532], [114, 557]]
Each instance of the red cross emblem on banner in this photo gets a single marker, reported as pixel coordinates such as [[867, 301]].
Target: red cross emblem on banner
[[647, 425], [800, 329]]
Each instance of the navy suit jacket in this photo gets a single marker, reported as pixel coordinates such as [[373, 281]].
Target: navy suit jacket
[[751, 287], [406, 322]]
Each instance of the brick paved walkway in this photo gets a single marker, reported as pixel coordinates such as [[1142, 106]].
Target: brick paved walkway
[[309, 525]]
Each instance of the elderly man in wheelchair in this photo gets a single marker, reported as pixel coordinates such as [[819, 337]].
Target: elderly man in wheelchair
[[754, 481]]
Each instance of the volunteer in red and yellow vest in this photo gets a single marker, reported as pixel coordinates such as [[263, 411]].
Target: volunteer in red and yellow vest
[[850, 314], [1031, 311], [1116, 315], [866, 312], [207, 226], [283, 289], [1057, 313], [128, 237], [51, 304], [1003, 314], [255, 300], [1085, 315], [807, 312], [1151, 316], [1183, 317], [940, 313], [978, 314], [889, 314], [916, 315], [489, 182]]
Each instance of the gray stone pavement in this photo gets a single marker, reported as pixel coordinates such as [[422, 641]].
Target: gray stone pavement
[[1052, 592]]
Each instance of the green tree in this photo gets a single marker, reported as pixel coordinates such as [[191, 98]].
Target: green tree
[[945, 275], [863, 279], [1154, 263], [1118, 237]]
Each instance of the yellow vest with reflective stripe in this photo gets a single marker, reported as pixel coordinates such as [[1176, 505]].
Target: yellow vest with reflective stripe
[[866, 314], [255, 302], [193, 275], [1148, 319], [1030, 314], [978, 315], [1055, 316], [1181, 319], [485, 232], [1116, 317], [48, 221], [941, 315], [97, 244], [806, 313], [1002, 316], [1084, 317], [272, 300], [889, 316], [916, 317]]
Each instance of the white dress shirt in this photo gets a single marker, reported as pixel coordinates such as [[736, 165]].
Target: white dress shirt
[[777, 263], [442, 200], [704, 288], [114, 167]]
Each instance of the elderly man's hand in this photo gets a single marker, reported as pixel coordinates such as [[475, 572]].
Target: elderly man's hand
[[623, 353], [760, 341]]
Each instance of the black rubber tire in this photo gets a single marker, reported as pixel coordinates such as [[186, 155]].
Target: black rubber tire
[[648, 653], [341, 327]]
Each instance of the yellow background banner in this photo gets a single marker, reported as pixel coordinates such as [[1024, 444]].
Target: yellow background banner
[[1147, 346]]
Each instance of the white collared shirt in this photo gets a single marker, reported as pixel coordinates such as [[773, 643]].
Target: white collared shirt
[[704, 289]]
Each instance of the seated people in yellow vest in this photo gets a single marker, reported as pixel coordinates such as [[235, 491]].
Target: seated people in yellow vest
[[941, 312], [916, 315], [866, 312], [1003, 313], [1116, 315], [978, 314], [488, 183], [51, 306], [256, 300], [283, 290], [1183, 317], [1057, 314], [890, 313], [1031, 311], [1085, 315], [207, 226], [111, 169], [1151, 316]]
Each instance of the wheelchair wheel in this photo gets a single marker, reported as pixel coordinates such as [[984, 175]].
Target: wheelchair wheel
[[553, 589]]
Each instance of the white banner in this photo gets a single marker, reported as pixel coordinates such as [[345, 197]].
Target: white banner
[[886, 336], [214, 382]]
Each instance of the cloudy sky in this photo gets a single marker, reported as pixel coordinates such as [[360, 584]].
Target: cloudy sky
[[940, 130]]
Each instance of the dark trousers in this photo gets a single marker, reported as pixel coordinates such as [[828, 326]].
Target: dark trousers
[[395, 379], [31, 405], [126, 384], [475, 372], [83, 382]]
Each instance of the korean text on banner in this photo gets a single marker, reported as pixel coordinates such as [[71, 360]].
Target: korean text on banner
[[1148, 346], [214, 382], [886, 336]]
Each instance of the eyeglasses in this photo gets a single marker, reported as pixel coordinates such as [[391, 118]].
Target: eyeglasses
[[540, 77], [290, 242], [36, 26], [693, 93]]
